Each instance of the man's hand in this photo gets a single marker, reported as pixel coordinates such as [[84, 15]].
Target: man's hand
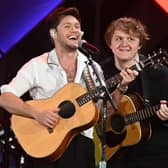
[[128, 76], [48, 118], [162, 113]]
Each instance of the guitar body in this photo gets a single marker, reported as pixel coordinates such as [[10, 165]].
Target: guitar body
[[132, 133], [145, 127], [40, 142]]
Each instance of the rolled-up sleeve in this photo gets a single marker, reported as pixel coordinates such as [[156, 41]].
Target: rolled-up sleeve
[[7, 88]]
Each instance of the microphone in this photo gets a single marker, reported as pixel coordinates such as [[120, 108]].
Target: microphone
[[87, 48]]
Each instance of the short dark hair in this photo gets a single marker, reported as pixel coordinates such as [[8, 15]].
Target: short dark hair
[[56, 16]]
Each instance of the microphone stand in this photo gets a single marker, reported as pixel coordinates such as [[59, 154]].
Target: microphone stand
[[106, 97]]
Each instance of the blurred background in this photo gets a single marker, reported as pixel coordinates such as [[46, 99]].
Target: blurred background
[[23, 32]]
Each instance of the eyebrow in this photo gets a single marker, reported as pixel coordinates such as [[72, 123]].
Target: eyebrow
[[68, 23]]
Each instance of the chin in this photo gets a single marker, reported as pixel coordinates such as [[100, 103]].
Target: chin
[[72, 48]]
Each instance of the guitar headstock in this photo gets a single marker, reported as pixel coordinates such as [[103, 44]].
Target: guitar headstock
[[156, 58]]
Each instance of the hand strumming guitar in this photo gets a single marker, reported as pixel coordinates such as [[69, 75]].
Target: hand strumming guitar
[[48, 118]]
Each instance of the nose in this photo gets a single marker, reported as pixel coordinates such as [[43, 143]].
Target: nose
[[73, 28], [124, 42]]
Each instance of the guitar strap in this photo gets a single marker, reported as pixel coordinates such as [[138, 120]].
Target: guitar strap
[[88, 78], [97, 142]]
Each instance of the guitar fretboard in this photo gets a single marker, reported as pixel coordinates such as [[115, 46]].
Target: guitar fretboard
[[141, 114], [90, 96]]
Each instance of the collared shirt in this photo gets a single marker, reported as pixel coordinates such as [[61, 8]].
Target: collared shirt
[[43, 76]]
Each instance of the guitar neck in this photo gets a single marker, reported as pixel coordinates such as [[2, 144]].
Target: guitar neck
[[141, 114], [116, 79], [113, 81], [91, 95]]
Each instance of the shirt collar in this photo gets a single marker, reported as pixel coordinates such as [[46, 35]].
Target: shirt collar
[[53, 59]]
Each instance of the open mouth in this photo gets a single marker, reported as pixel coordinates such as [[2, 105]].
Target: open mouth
[[73, 37]]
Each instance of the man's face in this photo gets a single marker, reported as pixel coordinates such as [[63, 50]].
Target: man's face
[[124, 46], [68, 33]]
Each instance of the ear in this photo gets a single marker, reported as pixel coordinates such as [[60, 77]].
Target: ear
[[81, 34], [52, 32]]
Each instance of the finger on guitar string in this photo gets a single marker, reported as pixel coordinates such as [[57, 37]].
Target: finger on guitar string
[[163, 111]]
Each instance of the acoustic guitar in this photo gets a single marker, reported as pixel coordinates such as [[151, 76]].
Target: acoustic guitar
[[78, 112], [128, 127]]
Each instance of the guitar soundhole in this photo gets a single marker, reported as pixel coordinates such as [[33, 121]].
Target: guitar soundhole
[[67, 109], [117, 123]]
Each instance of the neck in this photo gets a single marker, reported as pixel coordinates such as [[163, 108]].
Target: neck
[[122, 64], [67, 59], [66, 54]]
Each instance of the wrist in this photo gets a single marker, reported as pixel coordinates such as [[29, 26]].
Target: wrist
[[122, 89]]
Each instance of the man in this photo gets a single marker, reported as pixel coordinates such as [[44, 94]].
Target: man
[[125, 37], [46, 74]]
